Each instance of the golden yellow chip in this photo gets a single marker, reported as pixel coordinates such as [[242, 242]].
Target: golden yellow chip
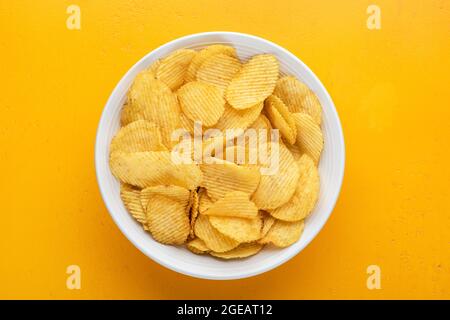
[[167, 220], [283, 234], [218, 70], [239, 229], [205, 201], [233, 204], [213, 239], [193, 210], [153, 68], [254, 82], [295, 151], [186, 123], [261, 123], [268, 222], [197, 246], [305, 195], [157, 104], [222, 178], [203, 55], [309, 136], [151, 168], [242, 251], [278, 184], [238, 119], [140, 135], [201, 102], [172, 69], [129, 114], [298, 97], [281, 118], [175, 193], [130, 198]]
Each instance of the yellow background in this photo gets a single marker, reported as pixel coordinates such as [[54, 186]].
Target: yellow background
[[391, 89]]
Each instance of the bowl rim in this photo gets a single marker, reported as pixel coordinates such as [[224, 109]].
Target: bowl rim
[[173, 267]]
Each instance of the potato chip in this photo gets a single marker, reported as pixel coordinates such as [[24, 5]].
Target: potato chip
[[261, 123], [156, 102], [167, 220], [213, 239], [238, 119], [201, 102], [129, 114], [175, 193], [204, 201], [254, 82], [222, 178], [197, 246], [151, 168], [203, 55], [186, 123], [130, 198], [239, 229], [153, 68], [309, 136], [172, 69], [281, 118], [278, 185], [140, 135], [242, 251], [233, 204], [305, 195], [298, 97], [193, 210], [283, 234], [295, 151], [218, 70], [268, 222]]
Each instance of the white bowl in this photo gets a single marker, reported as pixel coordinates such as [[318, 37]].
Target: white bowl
[[179, 259]]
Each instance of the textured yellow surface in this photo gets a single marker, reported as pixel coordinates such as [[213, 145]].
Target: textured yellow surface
[[390, 87]]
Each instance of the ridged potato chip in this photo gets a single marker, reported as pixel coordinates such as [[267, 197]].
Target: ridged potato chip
[[222, 178], [277, 188], [218, 70], [298, 97], [261, 123], [130, 198], [233, 204], [268, 222], [193, 210], [172, 69], [201, 102], [213, 239], [254, 82], [153, 68], [305, 195], [281, 118], [203, 55], [129, 114], [186, 123], [151, 168], [295, 151], [238, 119], [197, 246], [175, 193], [140, 135], [157, 103], [239, 229], [242, 251], [204, 201], [167, 220], [309, 136], [282, 234]]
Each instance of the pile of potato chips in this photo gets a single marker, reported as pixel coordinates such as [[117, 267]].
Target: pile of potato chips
[[225, 208]]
